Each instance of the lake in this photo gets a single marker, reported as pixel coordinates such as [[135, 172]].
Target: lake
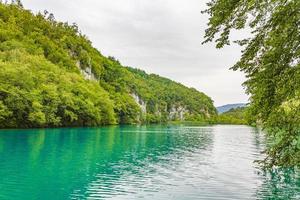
[[139, 162]]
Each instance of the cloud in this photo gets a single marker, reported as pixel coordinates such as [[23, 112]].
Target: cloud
[[159, 36]]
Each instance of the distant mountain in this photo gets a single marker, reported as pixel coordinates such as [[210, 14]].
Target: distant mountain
[[227, 107]]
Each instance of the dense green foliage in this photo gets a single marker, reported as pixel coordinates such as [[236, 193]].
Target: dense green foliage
[[51, 75], [233, 116], [162, 94], [34, 92], [270, 61]]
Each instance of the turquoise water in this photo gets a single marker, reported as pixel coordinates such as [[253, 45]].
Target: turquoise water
[[139, 162]]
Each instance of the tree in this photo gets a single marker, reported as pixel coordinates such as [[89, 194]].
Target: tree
[[43, 80], [270, 60]]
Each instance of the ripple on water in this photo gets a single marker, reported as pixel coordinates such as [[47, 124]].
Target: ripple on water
[[154, 162]]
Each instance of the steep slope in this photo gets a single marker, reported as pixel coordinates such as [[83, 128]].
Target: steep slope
[[51, 75], [168, 100]]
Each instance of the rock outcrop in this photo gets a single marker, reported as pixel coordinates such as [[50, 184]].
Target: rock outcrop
[[140, 102], [177, 112], [86, 72]]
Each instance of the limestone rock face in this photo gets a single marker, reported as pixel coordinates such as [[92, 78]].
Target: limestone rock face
[[177, 112], [86, 72], [206, 112], [140, 102]]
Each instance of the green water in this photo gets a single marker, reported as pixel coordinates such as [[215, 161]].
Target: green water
[[139, 162]]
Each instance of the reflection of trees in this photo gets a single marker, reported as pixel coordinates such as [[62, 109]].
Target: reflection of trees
[[133, 150], [58, 162], [259, 142], [280, 184], [36, 143], [277, 183]]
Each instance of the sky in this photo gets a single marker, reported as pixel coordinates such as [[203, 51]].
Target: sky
[[159, 36]]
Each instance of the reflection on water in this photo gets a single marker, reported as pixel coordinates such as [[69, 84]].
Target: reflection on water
[[139, 162], [280, 184]]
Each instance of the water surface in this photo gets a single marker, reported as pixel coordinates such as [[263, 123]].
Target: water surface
[[139, 162]]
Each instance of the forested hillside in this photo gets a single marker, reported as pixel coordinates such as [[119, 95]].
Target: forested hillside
[[233, 116], [51, 75]]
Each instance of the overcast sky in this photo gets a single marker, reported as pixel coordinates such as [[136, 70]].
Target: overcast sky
[[158, 36]]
